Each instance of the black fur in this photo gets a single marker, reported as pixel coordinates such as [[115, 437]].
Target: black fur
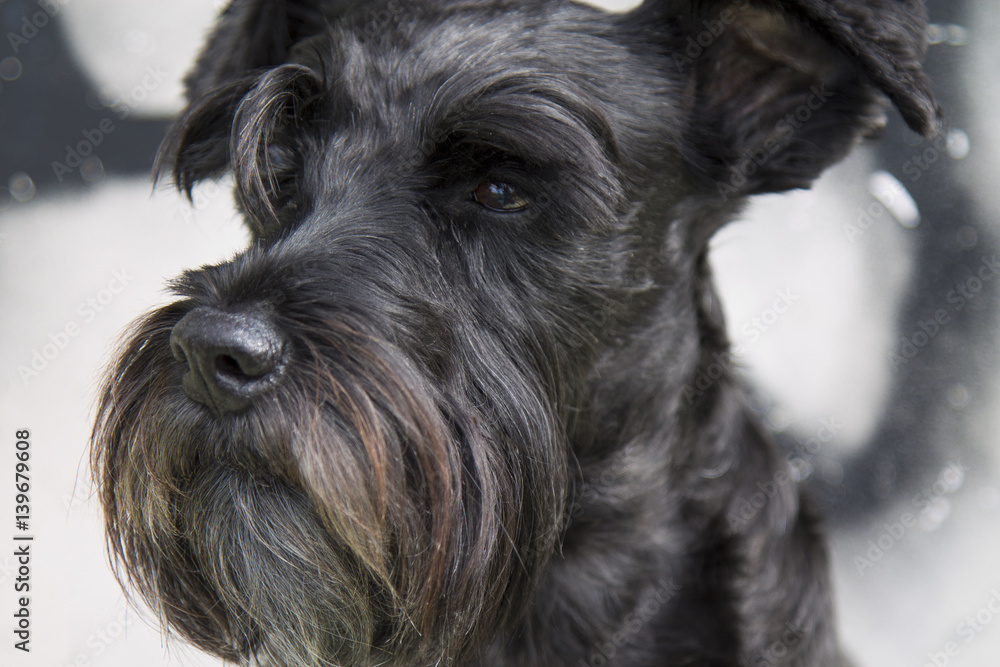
[[448, 407]]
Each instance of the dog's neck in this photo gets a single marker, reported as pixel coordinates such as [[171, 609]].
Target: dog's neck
[[635, 542]]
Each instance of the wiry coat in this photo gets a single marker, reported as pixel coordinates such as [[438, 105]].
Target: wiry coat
[[489, 442]]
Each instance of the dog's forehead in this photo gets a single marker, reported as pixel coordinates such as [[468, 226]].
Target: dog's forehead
[[506, 69], [425, 45]]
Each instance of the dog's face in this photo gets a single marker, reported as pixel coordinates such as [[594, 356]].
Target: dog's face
[[477, 270]]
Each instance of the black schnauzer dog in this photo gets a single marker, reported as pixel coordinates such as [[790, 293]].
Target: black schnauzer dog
[[448, 408]]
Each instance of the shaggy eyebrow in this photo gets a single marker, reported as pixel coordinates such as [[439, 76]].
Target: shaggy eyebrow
[[536, 118]]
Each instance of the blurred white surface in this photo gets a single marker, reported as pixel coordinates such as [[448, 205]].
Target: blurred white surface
[[120, 43]]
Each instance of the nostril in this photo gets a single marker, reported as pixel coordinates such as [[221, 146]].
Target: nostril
[[231, 358], [247, 365], [230, 367]]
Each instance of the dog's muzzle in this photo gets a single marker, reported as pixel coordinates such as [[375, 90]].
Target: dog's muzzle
[[232, 358]]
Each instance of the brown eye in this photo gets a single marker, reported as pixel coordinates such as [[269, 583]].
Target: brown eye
[[499, 197]]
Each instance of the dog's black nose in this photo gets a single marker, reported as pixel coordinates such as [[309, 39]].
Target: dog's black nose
[[232, 358]]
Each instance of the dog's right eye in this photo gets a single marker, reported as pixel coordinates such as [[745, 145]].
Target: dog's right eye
[[499, 197]]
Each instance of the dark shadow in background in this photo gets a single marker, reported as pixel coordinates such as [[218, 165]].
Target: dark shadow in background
[[943, 376], [50, 111]]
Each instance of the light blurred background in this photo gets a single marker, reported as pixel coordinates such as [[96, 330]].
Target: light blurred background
[[863, 313]]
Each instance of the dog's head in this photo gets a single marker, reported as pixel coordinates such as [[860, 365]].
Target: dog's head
[[477, 267]]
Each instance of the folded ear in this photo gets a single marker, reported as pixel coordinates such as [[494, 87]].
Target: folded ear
[[778, 91], [232, 127], [255, 34], [239, 91]]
